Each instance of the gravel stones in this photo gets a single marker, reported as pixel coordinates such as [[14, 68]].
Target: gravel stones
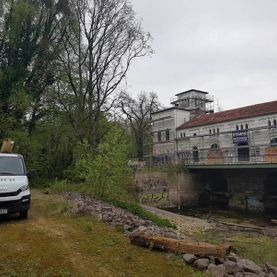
[[130, 223]]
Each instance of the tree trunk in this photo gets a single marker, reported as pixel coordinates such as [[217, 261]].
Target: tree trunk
[[181, 246]]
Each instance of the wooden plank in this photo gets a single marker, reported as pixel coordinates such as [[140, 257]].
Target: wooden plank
[[7, 146]]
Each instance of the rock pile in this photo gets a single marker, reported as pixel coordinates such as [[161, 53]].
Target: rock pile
[[232, 265], [116, 216]]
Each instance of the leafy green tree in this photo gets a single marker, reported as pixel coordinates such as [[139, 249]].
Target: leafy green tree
[[106, 169], [30, 36]]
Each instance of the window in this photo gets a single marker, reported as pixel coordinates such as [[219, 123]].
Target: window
[[11, 166], [273, 142], [237, 127], [217, 130], [274, 122], [184, 135], [241, 126], [195, 155], [159, 136], [214, 146], [269, 123], [194, 134], [214, 131], [246, 126], [181, 135], [210, 131], [167, 135]]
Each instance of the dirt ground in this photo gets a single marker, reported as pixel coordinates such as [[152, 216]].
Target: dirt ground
[[52, 242]]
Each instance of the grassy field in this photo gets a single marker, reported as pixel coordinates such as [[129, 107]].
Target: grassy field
[[256, 247], [53, 242]]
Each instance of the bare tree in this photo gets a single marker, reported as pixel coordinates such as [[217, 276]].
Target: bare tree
[[102, 39], [138, 112]]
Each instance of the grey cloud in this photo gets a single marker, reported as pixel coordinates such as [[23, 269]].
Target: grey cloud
[[223, 46]]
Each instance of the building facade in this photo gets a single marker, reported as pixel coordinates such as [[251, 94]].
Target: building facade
[[190, 132]]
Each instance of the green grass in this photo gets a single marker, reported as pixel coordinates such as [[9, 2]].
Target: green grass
[[136, 209], [258, 248], [53, 242], [118, 198]]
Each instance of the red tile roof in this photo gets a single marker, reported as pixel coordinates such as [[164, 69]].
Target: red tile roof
[[230, 115]]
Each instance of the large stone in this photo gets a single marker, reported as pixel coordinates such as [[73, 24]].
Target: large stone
[[202, 264], [271, 268], [232, 267], [189, 258], [249, 266], [216, 270]]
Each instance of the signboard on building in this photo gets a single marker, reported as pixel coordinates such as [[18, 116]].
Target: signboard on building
[[240, 137]]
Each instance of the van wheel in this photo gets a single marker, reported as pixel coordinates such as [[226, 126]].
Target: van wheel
[[23, 215]]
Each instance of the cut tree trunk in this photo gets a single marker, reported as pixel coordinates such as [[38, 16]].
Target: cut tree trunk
[[181, 246]]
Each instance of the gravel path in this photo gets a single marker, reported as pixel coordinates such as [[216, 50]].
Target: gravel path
[[186, 225]]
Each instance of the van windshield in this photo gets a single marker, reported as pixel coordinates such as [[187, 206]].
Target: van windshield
[[11, 166]]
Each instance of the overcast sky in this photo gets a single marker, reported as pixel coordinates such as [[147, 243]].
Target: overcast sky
[[226, 47]]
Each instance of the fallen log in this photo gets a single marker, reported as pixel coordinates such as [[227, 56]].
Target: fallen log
[[181, 246]]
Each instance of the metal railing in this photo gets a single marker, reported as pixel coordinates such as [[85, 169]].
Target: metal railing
[[231, 155]]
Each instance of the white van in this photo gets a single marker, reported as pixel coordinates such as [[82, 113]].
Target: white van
[[15, 196]]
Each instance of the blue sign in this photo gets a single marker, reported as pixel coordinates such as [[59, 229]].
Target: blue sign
[[240, 137]]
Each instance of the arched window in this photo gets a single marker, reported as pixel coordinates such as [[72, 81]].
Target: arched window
[[269, 123], [184, 135], [210, 131], [214, 131], [274, 122], [214, 146], [273, 142], [241, 126], [181, 135], [246, 126], [217, 130], [237, 127]]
